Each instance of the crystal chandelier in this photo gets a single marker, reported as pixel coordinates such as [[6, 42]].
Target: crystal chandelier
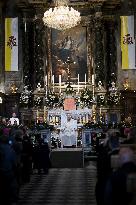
[[61, 17]]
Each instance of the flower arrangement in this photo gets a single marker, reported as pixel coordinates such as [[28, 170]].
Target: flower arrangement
[[100, 100], [26, 97], [52, 99], [86, 97], [38, 101]]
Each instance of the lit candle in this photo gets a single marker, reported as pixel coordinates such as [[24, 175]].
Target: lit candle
[[85, 80], [83, 119], [93, 92], [60, 83], [44, 113], [78, 82], [46, 80], [53, 119], [86, 118], [53, 82], [25, 26], [93, 79], [100, 111]]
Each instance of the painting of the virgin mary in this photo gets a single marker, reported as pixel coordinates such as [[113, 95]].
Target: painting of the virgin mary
[[70, 44]]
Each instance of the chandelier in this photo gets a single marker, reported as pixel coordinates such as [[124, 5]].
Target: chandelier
[[61, 17]]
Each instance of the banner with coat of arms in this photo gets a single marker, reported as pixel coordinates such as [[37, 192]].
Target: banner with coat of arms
[[127, 43], [11, 44]]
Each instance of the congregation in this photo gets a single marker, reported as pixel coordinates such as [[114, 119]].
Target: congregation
[[21, 155]]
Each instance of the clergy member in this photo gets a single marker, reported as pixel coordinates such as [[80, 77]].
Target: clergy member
[[14, 120]]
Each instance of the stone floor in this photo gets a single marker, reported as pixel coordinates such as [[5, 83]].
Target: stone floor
[[67, 186]]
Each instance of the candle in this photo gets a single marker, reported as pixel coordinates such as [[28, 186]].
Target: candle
[[93, 79], [46, 80], [60, 83], [53, 82], [83, 119], [78, 82], [86, 118], [93, 92], [53, 119], [44, 113], [85, 80], [100, 111], [25, 26]]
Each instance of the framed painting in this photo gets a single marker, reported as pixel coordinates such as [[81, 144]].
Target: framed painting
[[69, 48], [46, 136]]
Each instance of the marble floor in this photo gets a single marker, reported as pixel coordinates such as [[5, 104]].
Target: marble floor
[[62, 186]]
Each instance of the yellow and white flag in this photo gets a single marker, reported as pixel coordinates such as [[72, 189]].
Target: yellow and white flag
[[127, 42], [11, 44]]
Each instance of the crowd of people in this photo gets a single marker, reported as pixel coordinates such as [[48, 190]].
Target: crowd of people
[[112, 183], [20, 155]]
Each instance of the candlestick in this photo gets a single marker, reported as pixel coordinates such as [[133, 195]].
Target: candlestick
[[25, 26], [86, 118], [78, 82], [46, 80], [53, 82], [100, 110], [44, 113], [94, 113], [93, 91], [60, 83], [85, 80], [93, 79]]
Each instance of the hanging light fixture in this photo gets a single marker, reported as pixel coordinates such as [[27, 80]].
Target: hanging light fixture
[[61, 17]]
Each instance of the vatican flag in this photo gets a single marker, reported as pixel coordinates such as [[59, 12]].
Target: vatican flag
[[11, 44], [127, 42]]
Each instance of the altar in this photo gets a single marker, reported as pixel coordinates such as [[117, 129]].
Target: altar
[[67, 123], [64, 158]]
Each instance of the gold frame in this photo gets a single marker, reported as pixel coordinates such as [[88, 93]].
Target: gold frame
[[89, 39]]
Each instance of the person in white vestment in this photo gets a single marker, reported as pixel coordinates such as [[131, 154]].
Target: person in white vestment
[[69, 135], [14, 120]]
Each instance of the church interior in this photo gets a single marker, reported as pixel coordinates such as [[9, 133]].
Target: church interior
[[67, 80]]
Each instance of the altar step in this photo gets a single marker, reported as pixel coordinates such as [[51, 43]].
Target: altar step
[[67, 158]]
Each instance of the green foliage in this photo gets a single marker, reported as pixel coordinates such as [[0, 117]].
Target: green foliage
[[86, 97], [100, 100]]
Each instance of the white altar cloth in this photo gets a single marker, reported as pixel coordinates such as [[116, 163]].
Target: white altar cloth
[[68, 133]]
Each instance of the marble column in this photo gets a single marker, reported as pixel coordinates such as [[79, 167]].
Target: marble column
[[111, 52], [39, 52], [98, 44], [27, 49]]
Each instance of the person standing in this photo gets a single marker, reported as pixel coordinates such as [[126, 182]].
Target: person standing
[[14, 120]]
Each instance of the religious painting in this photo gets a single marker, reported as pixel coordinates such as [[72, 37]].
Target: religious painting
[[46, 136], [69, 54], [86, 140]]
